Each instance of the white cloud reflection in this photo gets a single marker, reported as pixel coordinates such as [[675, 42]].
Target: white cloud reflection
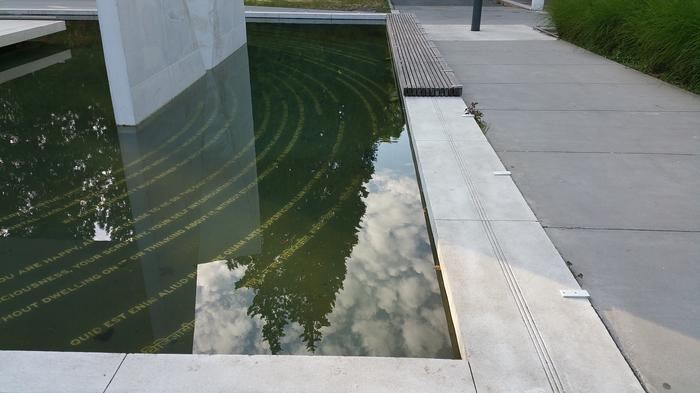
[[390, 303]]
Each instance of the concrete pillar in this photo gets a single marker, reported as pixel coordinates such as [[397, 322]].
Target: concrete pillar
[[155, 49], [219, 26], [151, 54]]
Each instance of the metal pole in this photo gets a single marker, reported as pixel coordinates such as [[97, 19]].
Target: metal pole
[[476, 15]]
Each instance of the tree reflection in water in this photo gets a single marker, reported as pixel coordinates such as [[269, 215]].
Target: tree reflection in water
[[52, 145]]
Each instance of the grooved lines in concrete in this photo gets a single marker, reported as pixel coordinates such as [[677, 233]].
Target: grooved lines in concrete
[[502, 275], [545, 359]]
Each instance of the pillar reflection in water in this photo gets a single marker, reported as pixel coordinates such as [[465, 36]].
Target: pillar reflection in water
[[216, 169], [30, 65]]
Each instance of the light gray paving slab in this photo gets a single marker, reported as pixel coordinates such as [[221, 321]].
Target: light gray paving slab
[[507, 277], [457, 55], [462, 14], [236, 373], [580, 96], [52, 5], [49, 4], [520, 49], [583, 131], [498, 197], [487, 322], [515, 53], [576, 339], [48, 9], [617, 191], [446, 194], [459, 183], [486, 33], [650, 304], [458, 165], [56, 372], [503, 276], [441, 123], [547, 74], [15, 31]]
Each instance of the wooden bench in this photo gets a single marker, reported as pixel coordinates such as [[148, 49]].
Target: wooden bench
[[421, 70]]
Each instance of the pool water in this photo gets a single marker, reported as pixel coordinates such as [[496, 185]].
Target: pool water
[[273, 207]]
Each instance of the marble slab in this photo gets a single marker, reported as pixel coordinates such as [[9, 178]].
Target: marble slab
[[15, 31]]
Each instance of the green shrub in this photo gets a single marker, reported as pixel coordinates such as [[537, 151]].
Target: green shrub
[[660, 37]]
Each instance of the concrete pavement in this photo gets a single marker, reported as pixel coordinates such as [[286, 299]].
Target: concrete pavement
[[449, 12], [609, 161]]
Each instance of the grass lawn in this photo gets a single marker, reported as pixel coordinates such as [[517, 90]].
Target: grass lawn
[[659, 37], [341, 5]]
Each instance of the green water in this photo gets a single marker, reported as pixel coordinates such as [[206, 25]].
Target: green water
[[273, 207]]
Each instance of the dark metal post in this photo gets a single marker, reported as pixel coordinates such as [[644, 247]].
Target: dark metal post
[[476, 15]]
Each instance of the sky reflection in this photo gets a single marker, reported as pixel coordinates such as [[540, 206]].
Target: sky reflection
[[389, 304]]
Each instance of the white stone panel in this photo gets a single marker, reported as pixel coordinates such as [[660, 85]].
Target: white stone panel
[[15, 31], [219, 27], [150, 52]]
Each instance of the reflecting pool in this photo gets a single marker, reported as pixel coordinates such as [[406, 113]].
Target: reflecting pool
[[273, 207]]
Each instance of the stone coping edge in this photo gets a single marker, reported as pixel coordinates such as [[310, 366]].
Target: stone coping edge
[[91, 14], [59, 372], [315, 15]]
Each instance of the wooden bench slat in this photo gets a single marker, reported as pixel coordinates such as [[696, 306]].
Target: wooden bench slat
[[421, 69]]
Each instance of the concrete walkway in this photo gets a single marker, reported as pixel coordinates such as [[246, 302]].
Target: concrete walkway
[[609, 161]]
